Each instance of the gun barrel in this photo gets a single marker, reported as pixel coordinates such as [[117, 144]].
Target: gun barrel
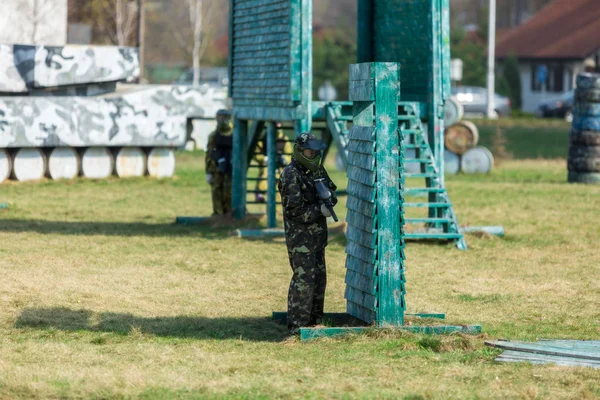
[[332, 211]]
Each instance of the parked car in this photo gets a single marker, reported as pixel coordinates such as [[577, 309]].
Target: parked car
[[213, 76], [474, 101], [561, 108]]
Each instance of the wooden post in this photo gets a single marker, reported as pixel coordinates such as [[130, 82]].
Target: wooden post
[[271, 177], [240, 168], [389, 207], [374, 265]]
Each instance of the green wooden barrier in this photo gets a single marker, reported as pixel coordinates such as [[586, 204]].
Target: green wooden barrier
[[270, 70]]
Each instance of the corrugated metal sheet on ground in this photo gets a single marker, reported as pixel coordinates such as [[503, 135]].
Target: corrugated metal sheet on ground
[[569, 353]]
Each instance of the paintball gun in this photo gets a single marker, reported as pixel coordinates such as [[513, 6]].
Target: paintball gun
[[325, 196]]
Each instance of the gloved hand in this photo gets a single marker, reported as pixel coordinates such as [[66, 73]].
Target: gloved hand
[[266, 160], [209, 178], [325, 211]]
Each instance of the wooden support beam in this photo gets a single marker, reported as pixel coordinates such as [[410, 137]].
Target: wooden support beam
[[315, 333], [240, 168], [271, 175]]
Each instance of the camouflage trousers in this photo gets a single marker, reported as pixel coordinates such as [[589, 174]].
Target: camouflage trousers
[[306, 295], [221, 194]]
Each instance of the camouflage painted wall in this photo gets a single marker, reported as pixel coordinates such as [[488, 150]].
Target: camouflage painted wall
[[135, 115], [24, 68]]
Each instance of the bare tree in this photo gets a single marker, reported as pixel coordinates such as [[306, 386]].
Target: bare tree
[[37, 12], [196, 21], [195, 41], [123, 24]]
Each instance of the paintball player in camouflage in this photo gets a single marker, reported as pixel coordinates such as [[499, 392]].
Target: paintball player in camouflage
[[305, 220], [218, 163], [284, 151]]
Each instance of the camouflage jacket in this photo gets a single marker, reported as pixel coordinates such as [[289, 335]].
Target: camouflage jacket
[[305, 226], [212, 149]]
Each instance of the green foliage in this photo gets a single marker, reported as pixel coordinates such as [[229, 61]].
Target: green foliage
[[512, 81], [333, 52], [472, 54]]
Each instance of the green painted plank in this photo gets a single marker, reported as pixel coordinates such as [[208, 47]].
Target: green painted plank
[[361, 175], [185, 220], [364, 314], [285, 12], [271, 175], [360, 282], [314, 333], [543, 349], [257, 233], [240, 170], [366, 223], [366, 161], [365, 268], [390, 267], [359, 297], [362, 133], [359, 146], [259, 7], [361, 191], [361, 237], [361, 252], [433, 236], [360, 72], [427, 220], [360, 206], [428, 205]]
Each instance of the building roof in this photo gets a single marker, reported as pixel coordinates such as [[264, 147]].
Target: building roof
[[563, 29]]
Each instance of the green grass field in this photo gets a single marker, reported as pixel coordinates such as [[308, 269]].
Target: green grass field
[[104, 297]]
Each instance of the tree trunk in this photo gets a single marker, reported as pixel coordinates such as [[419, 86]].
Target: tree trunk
[[196, 20]]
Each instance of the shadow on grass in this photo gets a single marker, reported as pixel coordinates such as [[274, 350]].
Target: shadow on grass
[[210, 231], [65, 319]]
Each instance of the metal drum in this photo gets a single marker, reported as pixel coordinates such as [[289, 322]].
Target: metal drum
[[460, 137], [477, 160], [451, 163], [453, 111], [29, 165], [5, 165]]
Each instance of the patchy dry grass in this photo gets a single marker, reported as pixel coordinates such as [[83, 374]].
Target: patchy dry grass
[[103, 296]]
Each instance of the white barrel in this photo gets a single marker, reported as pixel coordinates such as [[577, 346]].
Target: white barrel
[[161, 162], [29, 165], [5, 165], [97, 163], [131, 161], [451, 163], [477, 160], [453, 111], [63, 163]]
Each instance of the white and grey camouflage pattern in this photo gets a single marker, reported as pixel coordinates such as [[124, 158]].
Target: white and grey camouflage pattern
[[25, 68], [134, 115]]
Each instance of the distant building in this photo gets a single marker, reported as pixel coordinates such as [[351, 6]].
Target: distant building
[[553, 47], [34, 22]]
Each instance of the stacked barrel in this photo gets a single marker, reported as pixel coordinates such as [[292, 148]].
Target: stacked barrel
[[584, 139]]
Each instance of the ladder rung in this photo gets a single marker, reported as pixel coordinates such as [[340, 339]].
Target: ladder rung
[[421, 175], [428, 205], [415, 146], [418, 160], [427, 220], [412, 131], [423, 190], [433, 236]]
